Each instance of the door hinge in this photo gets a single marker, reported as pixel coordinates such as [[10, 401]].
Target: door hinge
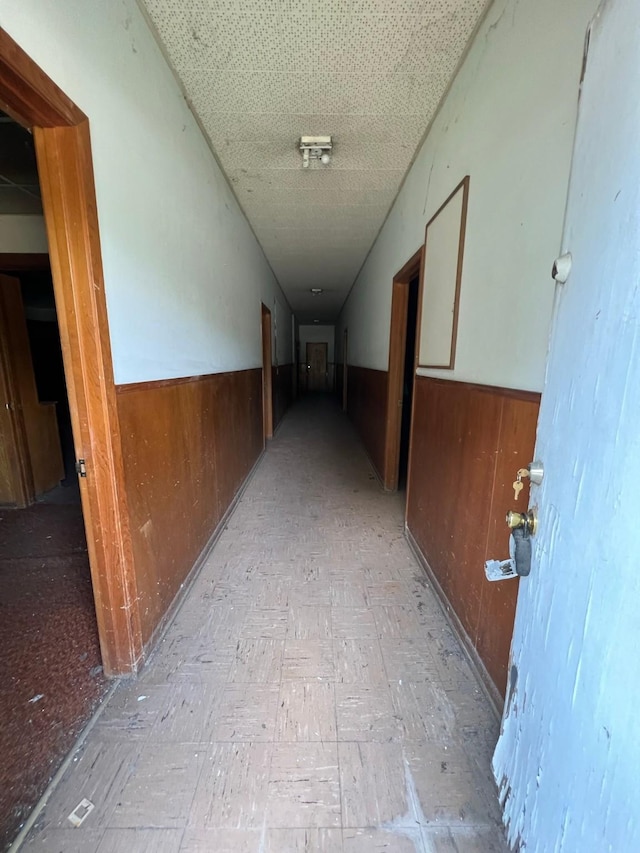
[[81, 468]]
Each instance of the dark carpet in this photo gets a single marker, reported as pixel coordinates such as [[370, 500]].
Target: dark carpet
[[50, 667]]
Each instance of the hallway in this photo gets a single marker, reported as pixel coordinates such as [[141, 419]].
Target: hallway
[[309, 695]]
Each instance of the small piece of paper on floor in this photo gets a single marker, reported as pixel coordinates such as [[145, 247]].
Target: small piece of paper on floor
[[81, 811], [37, 697]]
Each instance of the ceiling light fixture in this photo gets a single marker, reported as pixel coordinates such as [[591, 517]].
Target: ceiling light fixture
[[317, 148]]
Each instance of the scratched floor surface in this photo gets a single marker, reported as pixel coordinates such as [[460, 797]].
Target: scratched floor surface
[[309, 695]]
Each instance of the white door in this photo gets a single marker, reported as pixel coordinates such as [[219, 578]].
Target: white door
[[568, 759]]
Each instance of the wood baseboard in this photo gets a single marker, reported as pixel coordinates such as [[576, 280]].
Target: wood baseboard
[[493, 694]]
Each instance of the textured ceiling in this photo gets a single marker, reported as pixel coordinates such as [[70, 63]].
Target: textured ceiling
[[261, 73]]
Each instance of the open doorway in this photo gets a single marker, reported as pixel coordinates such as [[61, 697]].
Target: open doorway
[[267, 375], [402, 360], [50, 659], [66, 185]]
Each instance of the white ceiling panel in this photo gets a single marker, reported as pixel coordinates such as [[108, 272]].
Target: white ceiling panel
[[261, 73]]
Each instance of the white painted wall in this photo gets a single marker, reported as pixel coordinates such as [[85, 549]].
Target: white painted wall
[[570, 747], [184, 276], [22, 233], [317, 334], [508, 121]]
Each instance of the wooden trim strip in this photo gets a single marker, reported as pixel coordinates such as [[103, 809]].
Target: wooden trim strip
[[68, 197], [155, 384], [28, 95], [464, 186], [515, 393]]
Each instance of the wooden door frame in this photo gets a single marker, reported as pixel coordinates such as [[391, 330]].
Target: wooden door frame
[[397, 352], [345, 368], [267, 376], [22, 471], [63, 151]]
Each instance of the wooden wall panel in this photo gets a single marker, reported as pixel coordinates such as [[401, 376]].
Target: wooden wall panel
[[188, 446], [367, 408], [467, 443], [282, 385]]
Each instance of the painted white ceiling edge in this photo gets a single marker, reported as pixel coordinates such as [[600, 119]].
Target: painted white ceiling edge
[[258, 74]]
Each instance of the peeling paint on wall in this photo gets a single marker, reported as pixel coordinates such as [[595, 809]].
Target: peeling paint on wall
[[568, 756]]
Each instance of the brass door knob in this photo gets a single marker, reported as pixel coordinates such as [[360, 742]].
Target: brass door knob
[[528, 520]]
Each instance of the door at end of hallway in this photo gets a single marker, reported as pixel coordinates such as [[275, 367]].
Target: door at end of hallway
[[317, 366]]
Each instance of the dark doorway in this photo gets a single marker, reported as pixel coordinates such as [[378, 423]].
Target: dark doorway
[[51, 675], [408, 377], [267, 375], [402, 350]]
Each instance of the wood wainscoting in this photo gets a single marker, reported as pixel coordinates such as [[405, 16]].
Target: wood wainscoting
[[367, 408], [282, 390], [468, 441], [188, 447]]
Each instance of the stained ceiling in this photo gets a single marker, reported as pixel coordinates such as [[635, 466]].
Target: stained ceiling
[[261, 73]]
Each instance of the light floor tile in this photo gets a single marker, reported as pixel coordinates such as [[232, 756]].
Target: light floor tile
[[186, 713], [222, 841], [359, 662], [77, 840], [304, 786], [402, 840], [353, 623], [232, 790], [98, 773], [373, 785], [398, 621], [306, 711], [309, 840], [307, 660], [348, 594], [423, 711], [470, 839], [261, 624], [257, 661], [366, 713], [311, 594], [132, 711], [160, 789], [408, 660], [245, 712], [388, 593], [308, 622], [141, 841], [449, 786]]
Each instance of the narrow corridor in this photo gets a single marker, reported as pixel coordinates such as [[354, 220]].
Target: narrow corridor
[[309, 695]]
